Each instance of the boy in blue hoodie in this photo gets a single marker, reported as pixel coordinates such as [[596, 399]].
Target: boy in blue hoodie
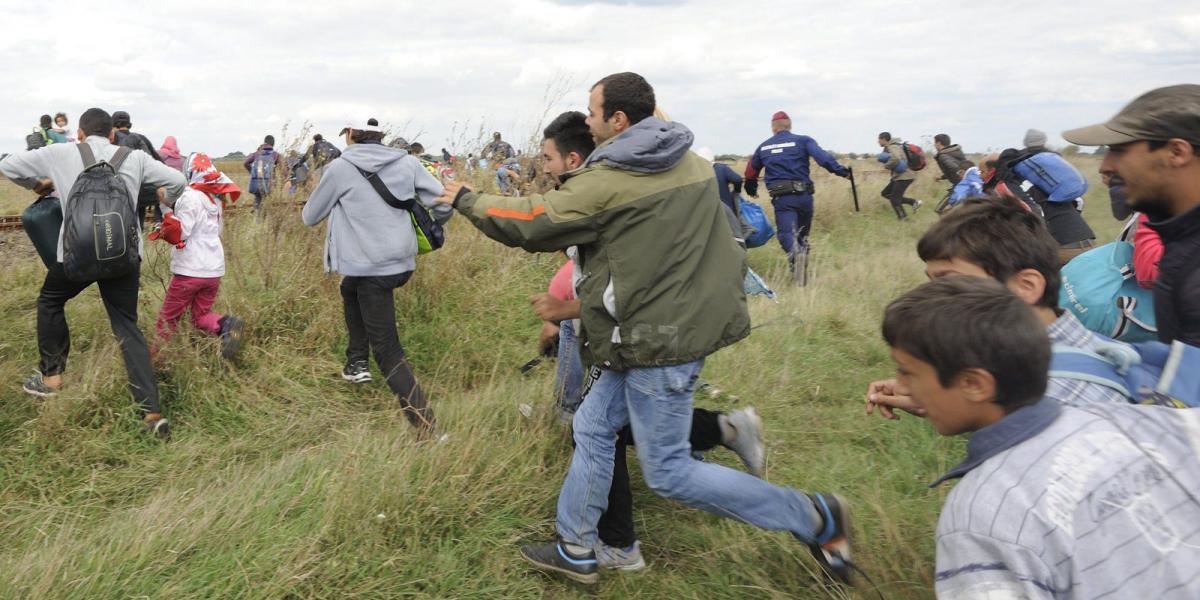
[[1055, 501], [374, 247]]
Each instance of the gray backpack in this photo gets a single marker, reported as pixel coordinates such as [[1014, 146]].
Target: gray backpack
[[100, 225]]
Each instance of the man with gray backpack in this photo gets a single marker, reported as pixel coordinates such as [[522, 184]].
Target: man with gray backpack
[[100, 242]]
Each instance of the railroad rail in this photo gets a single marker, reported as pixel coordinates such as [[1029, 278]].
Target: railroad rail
[[13, 222]]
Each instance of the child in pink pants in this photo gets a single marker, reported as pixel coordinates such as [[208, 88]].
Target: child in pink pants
[[198, 258]]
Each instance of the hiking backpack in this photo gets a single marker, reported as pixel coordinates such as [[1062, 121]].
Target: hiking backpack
[[1145, 373], [100, 225], [35, 140], [1051, 174], [1100, 288], [261, 171], [914, 156]]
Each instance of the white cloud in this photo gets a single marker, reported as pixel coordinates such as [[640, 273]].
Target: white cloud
[[221, 74]]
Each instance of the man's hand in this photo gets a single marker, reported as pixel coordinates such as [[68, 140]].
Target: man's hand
[[450, 192], [546, 338], [549, 308], [888, 395], [43, 188]]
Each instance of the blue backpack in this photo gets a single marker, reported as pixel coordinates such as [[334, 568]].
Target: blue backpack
[[1100, 288], [756, 218], [1053, 175], [261, 171], [1146, 373]]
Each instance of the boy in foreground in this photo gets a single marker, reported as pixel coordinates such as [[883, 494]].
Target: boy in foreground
[[1055, 501]]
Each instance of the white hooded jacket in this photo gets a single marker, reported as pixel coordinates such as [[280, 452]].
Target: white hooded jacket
[[201, 219]]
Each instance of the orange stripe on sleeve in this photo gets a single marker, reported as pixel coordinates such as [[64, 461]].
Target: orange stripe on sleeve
[[504, 213]]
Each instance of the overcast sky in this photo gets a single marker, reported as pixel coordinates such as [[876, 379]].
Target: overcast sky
[[219, 75]]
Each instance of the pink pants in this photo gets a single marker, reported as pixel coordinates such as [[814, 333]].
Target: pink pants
[[196, 293]]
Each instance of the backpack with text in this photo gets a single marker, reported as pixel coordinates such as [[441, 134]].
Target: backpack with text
[[1145, 373], [100, 226], [261, 171], [914, 155], [1101, 289]]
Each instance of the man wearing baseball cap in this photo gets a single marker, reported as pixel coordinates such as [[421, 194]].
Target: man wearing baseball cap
[[785, 156], [1154, 154]]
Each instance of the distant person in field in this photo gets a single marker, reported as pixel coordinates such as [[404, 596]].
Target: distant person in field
[[998, 238], [62, 164], [148, 196], [262, 164], [46, 128], [969, 184], [58, 131], [1034, 141], [497, 150], [169, 151], [949, 158], [374, 247], [193, 228], [653, 305], [785, 156], [1154, 155], [893, 159], [320, 153], [1054, 501]]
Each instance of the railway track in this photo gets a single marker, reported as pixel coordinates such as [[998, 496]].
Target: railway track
[[13, 222]]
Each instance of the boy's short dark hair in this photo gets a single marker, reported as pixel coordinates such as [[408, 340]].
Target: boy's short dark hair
[[942, 139], [318, 138], [269, 140], [96, 121], [885, 136], [629, 93], [45, 122], [570, 134], [416, 149], [960, 322], [1000, 236]]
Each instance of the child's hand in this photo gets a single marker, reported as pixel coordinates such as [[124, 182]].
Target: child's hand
[[887, 395]]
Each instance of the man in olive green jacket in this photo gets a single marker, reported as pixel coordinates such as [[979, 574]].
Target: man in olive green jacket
[[894, 160], [661, 289]]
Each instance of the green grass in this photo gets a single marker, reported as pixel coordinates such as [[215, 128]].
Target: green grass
[[285, 482]]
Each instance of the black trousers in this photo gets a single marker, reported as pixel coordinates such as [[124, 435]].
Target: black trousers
[[371, 321], [616, 524], [120, 297], [894, 192]]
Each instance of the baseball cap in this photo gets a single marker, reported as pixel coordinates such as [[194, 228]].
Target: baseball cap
[[1158, 115], [120, 117], [372, 125], [779, 116]]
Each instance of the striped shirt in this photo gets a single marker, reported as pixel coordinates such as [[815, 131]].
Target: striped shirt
[[1068, 331]]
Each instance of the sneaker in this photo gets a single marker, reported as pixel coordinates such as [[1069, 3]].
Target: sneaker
[[231, 336], [832, 546], [747, 440], [553, 557], [621, 559], [917, 206], [357, 372], [34, 384], [159, 428]]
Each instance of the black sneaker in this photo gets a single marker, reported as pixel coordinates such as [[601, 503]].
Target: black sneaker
[[231, 336], [34, 384], [832, 546], [160, 429], [553, 557], [357, 372]]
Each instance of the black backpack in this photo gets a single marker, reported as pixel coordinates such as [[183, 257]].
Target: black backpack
[[35, 140], [100, 225]]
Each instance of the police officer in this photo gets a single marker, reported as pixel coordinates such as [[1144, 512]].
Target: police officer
[[785, 156]]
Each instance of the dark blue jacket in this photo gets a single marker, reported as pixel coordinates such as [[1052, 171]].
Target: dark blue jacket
[[729, 183], [785, 156]]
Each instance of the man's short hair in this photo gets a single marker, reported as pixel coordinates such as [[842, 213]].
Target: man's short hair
[[45, 122], [318, 138], [885, 136], [416, 148], [629, 93], [999, 236], [269, 140], [96, 121], [959, 323], [570, 134], [942, 139]]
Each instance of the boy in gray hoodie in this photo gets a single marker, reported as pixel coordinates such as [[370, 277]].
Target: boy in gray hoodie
[[374, 247], [1055, 501]]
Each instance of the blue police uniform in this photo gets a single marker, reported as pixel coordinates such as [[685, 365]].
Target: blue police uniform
[[785, 156]]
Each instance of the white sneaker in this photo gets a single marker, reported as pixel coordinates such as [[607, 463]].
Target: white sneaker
[[621, 559], [747, 440]]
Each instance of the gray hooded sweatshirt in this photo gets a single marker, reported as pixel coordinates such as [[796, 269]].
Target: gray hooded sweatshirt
[[366, 236], [650, 146]]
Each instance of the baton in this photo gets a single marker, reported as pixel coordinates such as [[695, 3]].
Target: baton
[[853, 188]]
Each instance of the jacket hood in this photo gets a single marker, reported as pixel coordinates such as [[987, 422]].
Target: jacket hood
[[951, 149], [372, 157], [170, 148], [650, 146]]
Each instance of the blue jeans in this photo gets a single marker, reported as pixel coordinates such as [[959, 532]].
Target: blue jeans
[[657, 403], [793, 217], [568, 379]]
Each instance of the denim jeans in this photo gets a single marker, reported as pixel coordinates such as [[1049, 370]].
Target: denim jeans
[[657, 403], [568, 379]]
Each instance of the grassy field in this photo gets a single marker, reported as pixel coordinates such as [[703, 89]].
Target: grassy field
[[282, 481]]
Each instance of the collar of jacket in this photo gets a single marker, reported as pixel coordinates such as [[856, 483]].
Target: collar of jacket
[[1179, 227], [1006, 433]]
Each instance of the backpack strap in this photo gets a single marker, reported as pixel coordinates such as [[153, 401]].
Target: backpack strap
[[118, 159], [85, 152], [1067, 362], [384, 192], [89, 157]]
